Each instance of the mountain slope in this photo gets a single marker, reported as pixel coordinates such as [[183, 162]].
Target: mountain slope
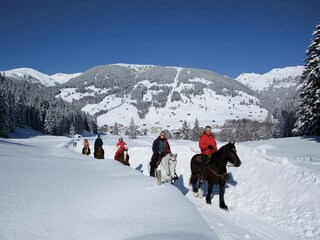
[[33, 76], [160, 96], [276, 78]]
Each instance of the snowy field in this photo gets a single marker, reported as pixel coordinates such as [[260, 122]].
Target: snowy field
[[50, 191]]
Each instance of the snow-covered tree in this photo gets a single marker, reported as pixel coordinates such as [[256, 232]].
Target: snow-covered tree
[[116, 129], [196, 131], [309, 110], [132, 130], [185, 131], [72, 130]]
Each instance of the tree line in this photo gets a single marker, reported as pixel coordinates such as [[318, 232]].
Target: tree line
[[27, 105]]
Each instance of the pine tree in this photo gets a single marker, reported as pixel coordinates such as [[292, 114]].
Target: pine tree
[[196, 131], [185, 131], [115, 129], [72, 130], [4, 115], [309, 110], [132, 130]]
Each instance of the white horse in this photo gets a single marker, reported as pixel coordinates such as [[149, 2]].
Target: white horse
[[166, 170]]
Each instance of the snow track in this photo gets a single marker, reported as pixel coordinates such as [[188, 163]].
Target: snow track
[[48, 192], [273, 195]]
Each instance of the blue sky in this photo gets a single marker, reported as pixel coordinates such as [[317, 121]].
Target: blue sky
[[228, 37]]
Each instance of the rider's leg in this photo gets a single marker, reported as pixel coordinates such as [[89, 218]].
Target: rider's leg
[[153, 165]]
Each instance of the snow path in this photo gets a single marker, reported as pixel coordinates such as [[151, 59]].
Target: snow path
[[49, 192], [176, 79], [273, 195]]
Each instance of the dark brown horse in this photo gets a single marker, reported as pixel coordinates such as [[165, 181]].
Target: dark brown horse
[[216, 171], [123, 157], [99, 153]]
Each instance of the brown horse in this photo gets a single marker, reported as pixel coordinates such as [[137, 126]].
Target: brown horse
[[216, 171], [123, 157], [86, 150], [99, 153]]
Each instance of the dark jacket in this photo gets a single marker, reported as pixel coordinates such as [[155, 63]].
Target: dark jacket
[[156, 148], [98, 143]]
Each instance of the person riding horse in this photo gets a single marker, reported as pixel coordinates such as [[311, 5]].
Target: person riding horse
[[86, 149], [121, 146], [97, 143], [208, 146], [160, 148]]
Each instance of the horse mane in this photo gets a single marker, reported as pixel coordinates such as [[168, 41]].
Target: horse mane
[[219, 154]]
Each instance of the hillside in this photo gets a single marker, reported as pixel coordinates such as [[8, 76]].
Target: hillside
[[275, 88], [276, 78], [160, 96]]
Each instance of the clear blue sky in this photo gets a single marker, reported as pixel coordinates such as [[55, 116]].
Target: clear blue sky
[[229, 37]]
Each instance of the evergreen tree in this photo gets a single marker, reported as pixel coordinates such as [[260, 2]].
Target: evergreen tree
[[4, 115], [115, 129], [185, 131], [309, 110], [132, 130], [72, 130], [196, 131]]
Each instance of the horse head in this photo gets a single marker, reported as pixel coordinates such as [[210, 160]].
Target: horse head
[[172, 161], [231, 154]]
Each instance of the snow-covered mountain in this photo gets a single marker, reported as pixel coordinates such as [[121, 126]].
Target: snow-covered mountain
[[160, 96], [33, 76], [276, 78]]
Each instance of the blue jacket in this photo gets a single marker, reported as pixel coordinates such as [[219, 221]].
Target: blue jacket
[[155, 146]]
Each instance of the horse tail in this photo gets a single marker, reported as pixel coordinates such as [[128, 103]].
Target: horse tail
[[194, 170]]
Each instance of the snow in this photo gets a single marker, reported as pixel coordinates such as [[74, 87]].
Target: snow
[[60, 78], [37, 77], [50, 192], [276, 78]]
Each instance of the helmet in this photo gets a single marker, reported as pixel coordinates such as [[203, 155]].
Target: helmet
[[120, 138]]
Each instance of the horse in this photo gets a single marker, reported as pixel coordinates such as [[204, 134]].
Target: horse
[[216, 171], [123, 157], [86, 150], [99, 153], [166, 169]]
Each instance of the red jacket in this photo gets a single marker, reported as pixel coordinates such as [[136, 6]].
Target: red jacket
[[205, 141], [121, 146]]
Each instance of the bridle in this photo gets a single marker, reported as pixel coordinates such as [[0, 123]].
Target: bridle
[[229, 164]]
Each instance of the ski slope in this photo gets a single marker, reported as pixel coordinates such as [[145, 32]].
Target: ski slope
[[50, 191]]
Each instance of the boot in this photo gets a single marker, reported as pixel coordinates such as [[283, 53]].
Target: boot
[[152, 171]]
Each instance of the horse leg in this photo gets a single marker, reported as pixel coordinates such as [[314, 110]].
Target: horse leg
[[222, 204], [210, 186]]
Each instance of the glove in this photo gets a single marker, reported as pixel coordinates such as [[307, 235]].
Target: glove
[[210, 147]]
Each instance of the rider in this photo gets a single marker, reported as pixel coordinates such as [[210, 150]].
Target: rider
[[160, 149], [98, 143], [121, 146], [208, 145], [86, 146]]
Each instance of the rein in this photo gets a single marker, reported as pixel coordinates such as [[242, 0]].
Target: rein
[[219, 175]]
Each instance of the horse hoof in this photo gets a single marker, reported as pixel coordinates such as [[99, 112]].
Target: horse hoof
[[195, 194], [224, 207], [208, 202]]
